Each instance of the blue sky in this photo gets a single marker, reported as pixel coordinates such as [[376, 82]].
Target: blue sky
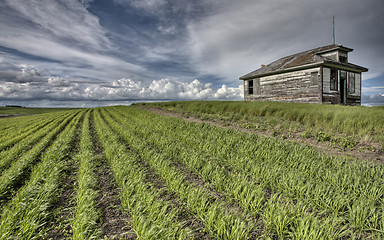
[[103, 52]]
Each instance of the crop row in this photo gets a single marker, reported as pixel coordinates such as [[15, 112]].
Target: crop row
[[18, 170], [182, 180], [24, 217], [277, 217], [51, 190], [152, 217], [215, 214], [13, 127], [86, 213], [7, 126], [13, 136], [349, 191], [11, 155]]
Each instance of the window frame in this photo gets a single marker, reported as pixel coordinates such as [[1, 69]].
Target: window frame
[[250, 87], [343, 59], [351, 83], [334, 80]]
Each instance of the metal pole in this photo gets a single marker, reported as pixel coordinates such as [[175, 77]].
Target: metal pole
[[333, 36]]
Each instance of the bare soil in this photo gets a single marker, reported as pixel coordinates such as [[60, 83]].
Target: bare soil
[[60, 225], [12, 115], [359, 151], [114, 222]]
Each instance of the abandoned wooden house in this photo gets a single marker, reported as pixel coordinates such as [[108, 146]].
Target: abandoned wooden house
[[320, 75]]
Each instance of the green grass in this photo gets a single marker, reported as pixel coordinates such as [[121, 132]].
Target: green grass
[[151, 216], [86, 212], [365, 122], [26, 215], [219, 222], [332, 188], [178, 179], [29, 111]]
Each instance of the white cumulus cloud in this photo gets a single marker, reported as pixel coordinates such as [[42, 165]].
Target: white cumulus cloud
[[67, 88], [195, 90]]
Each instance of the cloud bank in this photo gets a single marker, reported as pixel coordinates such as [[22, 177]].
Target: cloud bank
[[372, 100], [29, 84]]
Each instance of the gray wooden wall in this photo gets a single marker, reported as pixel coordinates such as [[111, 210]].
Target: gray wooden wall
[[298, 86]]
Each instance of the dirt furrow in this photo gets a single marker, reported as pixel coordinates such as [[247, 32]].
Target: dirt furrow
[[114, 222]]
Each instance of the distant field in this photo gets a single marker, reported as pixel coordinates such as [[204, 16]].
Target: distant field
[[6, 111], [129, 173]]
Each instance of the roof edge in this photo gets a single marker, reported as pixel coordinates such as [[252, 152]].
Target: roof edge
[[307, 66], [352, 66], [347, 49], [301, 67]]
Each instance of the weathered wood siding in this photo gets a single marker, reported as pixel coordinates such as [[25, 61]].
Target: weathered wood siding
[[332, 55], [329, 96], [298, 86], [334, 97], [357, 85], [355, 98]]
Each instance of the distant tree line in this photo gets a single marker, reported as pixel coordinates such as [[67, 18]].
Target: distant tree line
[[16, 106]]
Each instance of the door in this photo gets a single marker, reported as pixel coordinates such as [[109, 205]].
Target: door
[[343, 87]]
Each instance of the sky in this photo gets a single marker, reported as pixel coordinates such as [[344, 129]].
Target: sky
[[87, 53]]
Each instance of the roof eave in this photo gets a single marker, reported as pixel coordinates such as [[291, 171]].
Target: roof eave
[[336, 47], [344, 67], [307, 66], [291, 69]]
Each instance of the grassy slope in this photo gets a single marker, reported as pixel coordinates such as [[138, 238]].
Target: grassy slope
[[365, 122]]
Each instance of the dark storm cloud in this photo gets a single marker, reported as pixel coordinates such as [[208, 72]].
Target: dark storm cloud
[[147, 49], [242, 35]]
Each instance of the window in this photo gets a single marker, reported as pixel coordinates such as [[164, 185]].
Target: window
[[250, 87], [351, 82], [343, 59], [334, 80]]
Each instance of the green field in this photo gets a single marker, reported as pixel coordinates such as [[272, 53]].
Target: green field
[[12, 111], [340, 124], [129, 173]]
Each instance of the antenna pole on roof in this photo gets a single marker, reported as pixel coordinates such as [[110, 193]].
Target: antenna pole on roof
[[333, 36]]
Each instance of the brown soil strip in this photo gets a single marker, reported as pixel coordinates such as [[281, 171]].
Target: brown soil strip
[[60, 224], [114, 222], [155, 180], [13, 115], [324, 147]]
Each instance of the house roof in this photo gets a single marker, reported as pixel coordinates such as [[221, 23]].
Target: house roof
[[307, 59]]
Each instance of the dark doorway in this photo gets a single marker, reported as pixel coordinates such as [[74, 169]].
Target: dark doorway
[[343, 87]]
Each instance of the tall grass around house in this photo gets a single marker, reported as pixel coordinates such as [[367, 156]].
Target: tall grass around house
[[365, 122]]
